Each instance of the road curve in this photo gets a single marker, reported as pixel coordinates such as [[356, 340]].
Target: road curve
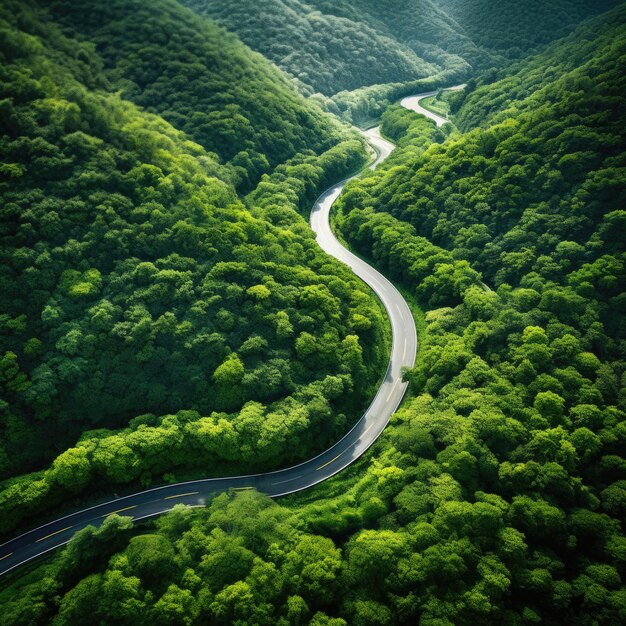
[[38, 541], [413, 104]]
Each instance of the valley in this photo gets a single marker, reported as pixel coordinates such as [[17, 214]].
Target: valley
[[312, 313]]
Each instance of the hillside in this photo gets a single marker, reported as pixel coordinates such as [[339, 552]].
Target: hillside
[[156, 323], [325, 53], [497, 495], [502, 195], [514, 444], [184, 68], [421, 25], [514, 29], [330, 47], [496, 95], [482, 32], [153, 322]]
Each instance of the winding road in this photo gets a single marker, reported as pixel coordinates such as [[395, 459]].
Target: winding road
[[159, 500], [413, 104]]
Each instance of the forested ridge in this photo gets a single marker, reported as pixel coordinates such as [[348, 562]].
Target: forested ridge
[[153, 322], [497, 495], [361, 55], [169, 61], [497, 94], [463, 37], [325, 53], [537, 191], [514, 29]]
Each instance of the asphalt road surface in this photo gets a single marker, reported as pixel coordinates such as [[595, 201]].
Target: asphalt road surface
[[38, 541], [413, 104]]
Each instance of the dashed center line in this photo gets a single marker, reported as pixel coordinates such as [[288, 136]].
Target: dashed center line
[[52, 534], [119, 510], [288, 480], [182, 495], [329, 462]]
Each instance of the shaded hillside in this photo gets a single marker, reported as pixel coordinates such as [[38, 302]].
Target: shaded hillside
[[331, 47], [145, 309], [497, 95], [544, 169], [326, 53], [202, 80], [515, 29], [498, 493]]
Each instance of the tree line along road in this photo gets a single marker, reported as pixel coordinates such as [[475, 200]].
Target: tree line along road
[[159, 500]]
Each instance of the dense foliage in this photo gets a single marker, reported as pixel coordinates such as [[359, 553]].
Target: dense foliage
[[514, 29], [439, 34], [363, 107], [498, 493], [481, 32], [139, 292], [497, 95], [534, 197], [326, 53], [365, 54], [202, 80]]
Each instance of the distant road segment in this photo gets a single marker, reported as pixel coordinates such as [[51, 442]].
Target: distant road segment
[[413, 104]]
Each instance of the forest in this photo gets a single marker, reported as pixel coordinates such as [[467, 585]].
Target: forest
[[359, 56], [166, 313], [200, 80], [147, 310], [324, 53]]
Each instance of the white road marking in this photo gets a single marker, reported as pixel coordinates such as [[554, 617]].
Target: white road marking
[[280, 482]]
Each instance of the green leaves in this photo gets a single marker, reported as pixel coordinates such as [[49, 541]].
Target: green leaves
[[138, 282], [332, 54], [230, 372]]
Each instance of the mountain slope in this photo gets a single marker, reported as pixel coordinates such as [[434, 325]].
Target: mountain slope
[[326, 53], [331, 47], [514, 29], [553, 127], [497, 95], [421, 25], [498, 493], [481, 32], [137, 284], [202, 80]]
